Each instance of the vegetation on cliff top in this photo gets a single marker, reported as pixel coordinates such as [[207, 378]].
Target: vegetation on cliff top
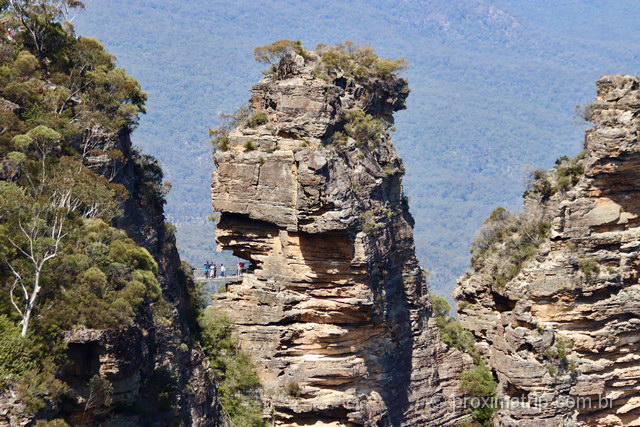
[[355, 61], [64, 106], [348, 59], [506, 241]]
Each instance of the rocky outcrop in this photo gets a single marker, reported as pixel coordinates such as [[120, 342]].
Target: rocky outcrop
[[335, 313], [562, 335], [157, 373], [155, 365]]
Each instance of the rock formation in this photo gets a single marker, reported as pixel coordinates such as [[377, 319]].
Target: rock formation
[[562, 333], [157, 354], [335, 313], [151, 360]]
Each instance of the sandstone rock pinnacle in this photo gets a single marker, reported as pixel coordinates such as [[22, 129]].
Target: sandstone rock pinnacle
[[335, 315]]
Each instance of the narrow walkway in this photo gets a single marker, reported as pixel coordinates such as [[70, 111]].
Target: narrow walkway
[[232, 275], [212, 284]]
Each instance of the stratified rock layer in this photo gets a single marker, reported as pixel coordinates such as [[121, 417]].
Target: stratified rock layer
[[335, 314], [581, 291]]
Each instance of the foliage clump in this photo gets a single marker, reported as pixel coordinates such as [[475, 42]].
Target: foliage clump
[[368, 220], [257, 118], [272, 53], [164, 389], [557, 358], [506, 241], [354, 61], [293, 389], [451, 331], [16, 352], [564, 176], [238, 382], [589, 266], [480, 384], [112, 276], [243, 116], [363, 128]]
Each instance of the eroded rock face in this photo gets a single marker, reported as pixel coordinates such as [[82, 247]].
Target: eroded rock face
[[336, 314], [581, 290]]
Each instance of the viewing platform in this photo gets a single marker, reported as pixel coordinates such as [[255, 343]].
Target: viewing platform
[[212, 284]]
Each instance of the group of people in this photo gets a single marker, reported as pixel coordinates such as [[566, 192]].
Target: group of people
[[212, 271]]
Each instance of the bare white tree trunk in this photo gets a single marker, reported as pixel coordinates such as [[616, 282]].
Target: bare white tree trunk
[[31, 304]]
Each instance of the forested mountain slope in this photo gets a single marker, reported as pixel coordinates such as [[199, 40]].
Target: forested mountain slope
[[494, 85]]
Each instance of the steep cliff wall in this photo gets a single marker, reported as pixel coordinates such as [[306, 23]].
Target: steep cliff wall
[[158, 355], [562, 331], [335, 314]]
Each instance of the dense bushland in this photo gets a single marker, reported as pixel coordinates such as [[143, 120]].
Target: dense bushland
[[64, 109]]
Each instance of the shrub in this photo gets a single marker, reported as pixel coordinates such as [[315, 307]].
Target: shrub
[[544, 188], [220, 134], [363, 127], [162, 312], [164, 387], [249, 146], [568, 172], [359, 62], [451, 331], [563, 183], [100, 393], [293, 389], [389, 170], [128, 253], [585, 112], [386, 66], [38, 386], [454, 335], [16, 352], [271, 54], [257, 119], [506, 242], [589, 266], [368, 221], [339, 138], [440, 306], [236, 376], [479, 383], [221, 142], [557, 357]]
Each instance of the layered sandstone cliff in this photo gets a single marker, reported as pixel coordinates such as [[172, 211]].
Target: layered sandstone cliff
[[562, 333], [335, 314]]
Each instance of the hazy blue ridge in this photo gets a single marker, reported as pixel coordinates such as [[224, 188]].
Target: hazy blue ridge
[[494, 86]]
